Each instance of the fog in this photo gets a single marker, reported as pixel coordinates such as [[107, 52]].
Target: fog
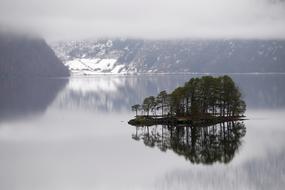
[[70, 19]]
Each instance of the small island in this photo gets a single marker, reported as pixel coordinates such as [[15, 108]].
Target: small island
[[201, 102]]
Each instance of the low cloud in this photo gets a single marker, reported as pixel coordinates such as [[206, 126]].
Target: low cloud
[[74, 19]]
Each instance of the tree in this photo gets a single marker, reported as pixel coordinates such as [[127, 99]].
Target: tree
[[192, 93], [199, 97], [177, 97], [136, 108], [229, 92], [148, 104], [161, 100]]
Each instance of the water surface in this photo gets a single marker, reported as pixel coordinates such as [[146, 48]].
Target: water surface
[[73, 134]]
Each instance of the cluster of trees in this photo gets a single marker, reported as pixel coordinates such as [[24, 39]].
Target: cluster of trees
[[218, 96]]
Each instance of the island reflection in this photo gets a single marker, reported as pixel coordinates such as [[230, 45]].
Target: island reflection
[[199, 145]]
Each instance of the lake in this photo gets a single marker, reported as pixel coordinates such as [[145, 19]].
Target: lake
[[58, 134]]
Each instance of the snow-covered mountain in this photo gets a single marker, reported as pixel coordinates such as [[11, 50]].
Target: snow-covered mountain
[[121, 56], [96, 57]]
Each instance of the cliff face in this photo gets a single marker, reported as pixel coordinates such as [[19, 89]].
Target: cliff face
[[26, 56]]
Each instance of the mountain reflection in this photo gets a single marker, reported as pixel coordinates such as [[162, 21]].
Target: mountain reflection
[[27, 96], [200, 145], [119, 93]]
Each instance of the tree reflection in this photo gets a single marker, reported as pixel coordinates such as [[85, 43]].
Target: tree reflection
[[205, 145]]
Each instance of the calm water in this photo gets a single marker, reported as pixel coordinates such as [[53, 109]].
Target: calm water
[[60, 134]]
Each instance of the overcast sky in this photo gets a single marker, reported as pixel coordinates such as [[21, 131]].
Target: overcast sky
[[67, 19]]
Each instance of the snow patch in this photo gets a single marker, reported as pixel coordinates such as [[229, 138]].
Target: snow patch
[[93, 66], [118, 69]]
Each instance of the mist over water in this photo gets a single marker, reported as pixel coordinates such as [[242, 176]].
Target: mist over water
[[73, 134]]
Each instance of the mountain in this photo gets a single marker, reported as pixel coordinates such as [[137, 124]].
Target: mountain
[[23, 55], [172, 56]]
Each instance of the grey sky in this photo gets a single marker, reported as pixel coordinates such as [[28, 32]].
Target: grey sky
[[61, 19]]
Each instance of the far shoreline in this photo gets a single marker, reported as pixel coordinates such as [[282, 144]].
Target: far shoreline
[[76, 75]]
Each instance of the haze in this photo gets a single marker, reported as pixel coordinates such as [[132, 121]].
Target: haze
[[155, 19]]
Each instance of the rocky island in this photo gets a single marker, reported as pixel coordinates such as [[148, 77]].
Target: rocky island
[[201, 102]]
